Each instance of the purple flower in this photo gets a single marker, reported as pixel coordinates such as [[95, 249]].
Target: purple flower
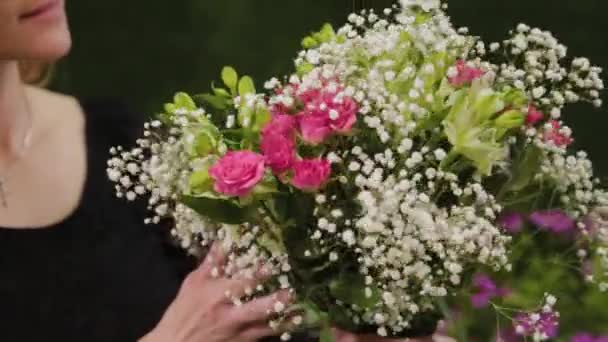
[[486, 290], [553, 220], [512, 222], [529, 324], [584, 337]]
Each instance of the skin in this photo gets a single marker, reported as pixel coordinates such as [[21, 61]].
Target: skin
[[43, 163]]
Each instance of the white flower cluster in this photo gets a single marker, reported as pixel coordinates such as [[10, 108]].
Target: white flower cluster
[[534, 61], [575, 184], [408, 243], [160, 168]]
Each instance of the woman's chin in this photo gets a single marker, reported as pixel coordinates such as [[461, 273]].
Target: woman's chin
[[51, 48]]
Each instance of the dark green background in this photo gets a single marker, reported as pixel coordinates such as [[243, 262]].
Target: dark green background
[[142, 51]]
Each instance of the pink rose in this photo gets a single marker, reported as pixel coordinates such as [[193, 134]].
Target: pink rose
[[311, 174], [343, 115], [279, 151], [310, 97], [465, 74], [534, 116], [314, 126], [237, 173], [281, 124]]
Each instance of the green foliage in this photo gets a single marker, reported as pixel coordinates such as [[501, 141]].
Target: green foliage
[[220, 209], [325, 35], [246, 86], [230, 78], [526, 164], [350, 287]]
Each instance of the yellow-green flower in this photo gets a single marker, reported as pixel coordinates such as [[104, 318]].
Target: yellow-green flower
[[470, 126]]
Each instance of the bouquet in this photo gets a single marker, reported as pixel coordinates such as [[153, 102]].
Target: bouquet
[[388, 176]]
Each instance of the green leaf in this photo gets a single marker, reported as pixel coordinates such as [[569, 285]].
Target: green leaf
[[350, 287], [246, 86], [262, 117], [221, 92], [220, 210], [183, 100], [230, 78], [216, 102], [525, 169]]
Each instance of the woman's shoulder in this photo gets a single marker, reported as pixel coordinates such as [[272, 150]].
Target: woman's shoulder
[[55, 109]]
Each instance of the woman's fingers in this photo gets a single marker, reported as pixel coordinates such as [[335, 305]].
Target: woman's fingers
[[260, 309], [214, 262], [246, 283]]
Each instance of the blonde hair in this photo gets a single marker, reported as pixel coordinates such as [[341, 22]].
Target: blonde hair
[[36, 73]]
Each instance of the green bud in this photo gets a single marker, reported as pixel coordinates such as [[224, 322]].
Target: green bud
[[205, 144], [309, 43], [510, 119], [487, 104], [170, 108], [326, 34], [516, 98], [200, 182]]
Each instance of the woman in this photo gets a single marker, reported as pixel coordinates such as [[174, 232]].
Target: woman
[[76, 264]]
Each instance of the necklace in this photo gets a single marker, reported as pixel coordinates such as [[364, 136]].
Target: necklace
[[3, 200], [4, 178], [24, 146]]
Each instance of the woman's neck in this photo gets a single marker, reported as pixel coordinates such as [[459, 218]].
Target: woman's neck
[[15, 115]]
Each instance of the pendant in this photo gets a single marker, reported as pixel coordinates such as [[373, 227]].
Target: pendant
[[3, 200]]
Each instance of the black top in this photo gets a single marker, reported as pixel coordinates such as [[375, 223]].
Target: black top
[[99, 275]]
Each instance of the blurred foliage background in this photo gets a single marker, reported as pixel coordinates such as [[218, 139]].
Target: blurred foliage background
[[142, 51]]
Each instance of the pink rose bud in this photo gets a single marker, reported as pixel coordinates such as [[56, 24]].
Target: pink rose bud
[[465, 74], [281, 124], [279, 151], [534, 116], [343, 115], [314, 126], [556, 136], [237, 173], [311, 174]]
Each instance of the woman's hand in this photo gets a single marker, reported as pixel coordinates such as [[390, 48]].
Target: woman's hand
[[202, 311], [344, 336]]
